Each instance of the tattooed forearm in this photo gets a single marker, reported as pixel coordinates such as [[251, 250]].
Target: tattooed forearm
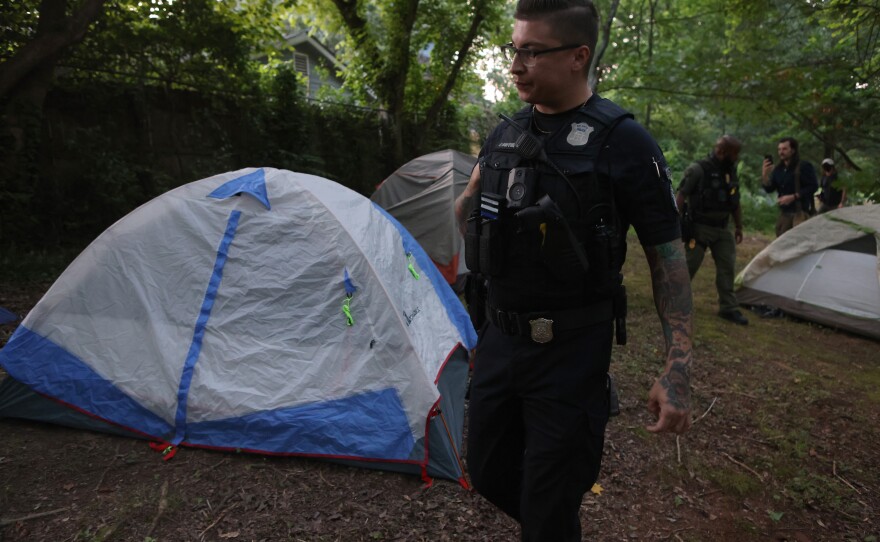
[[672, 297], [676, 382]]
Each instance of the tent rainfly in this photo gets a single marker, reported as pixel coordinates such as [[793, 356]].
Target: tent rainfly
[[825, 270], [421, 195], [258, 310]]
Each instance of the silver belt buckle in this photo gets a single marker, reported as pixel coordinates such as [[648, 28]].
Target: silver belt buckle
[[542, 330]]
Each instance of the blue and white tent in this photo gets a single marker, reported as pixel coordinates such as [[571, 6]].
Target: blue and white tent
[[258, 310]]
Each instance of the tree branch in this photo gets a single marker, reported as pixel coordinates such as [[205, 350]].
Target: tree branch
[[398, 54], [593, 77], [466, 45], [46, 46], [805, 124], [678, 92]]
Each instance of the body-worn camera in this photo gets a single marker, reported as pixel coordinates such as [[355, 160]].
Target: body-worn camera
[[520, 187]]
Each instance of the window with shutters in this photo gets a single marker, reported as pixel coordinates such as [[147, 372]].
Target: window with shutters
[[301, 63]]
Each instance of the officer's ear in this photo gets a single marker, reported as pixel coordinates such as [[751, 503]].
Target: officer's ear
[[582, 56]]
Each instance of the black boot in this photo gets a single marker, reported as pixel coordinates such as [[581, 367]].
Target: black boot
[[734, 316]]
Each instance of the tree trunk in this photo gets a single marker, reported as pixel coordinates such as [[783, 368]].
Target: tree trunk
[[55, 33], [442, 97], [25, 80], [593, 77]]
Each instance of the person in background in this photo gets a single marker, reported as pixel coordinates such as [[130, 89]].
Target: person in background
[[785, 178], [830, 197], [710, 192], [545, 216]]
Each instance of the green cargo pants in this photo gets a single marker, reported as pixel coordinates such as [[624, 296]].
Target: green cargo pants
[[722, 244]]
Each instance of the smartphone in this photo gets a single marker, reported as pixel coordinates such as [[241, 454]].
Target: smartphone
[[768, 158]]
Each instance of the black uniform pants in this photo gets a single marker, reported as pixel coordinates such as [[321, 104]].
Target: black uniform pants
[[537, 416]]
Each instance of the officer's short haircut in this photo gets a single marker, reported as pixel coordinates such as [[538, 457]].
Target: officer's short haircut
[[573, 21], [729, 142]]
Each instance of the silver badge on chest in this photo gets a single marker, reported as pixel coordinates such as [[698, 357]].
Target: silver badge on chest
[[542, 330], [580, 134]]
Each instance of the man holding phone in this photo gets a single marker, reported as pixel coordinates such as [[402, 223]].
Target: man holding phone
[[793, 180]]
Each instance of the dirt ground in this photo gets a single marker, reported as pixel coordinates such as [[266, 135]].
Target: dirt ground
[[785, 447]]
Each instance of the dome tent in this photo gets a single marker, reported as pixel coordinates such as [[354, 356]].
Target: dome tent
[[421, 195], [296, 319], [825, 270]]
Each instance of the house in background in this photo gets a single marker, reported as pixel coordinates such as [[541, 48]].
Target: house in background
[[314, 60]]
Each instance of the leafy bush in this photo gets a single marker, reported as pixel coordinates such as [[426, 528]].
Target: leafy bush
[[759, 212]]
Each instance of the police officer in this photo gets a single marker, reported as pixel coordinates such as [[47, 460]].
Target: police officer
[[545, 215], [711, 189]]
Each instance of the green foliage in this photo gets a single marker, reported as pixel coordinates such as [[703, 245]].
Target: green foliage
[[734, 482], [689, 70], [411, 59], [19, 23], [113, 163], [760, 70], [200, 44], [759, 212], [20, 264], [377, 66]]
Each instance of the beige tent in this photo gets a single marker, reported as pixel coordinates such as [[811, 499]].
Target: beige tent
[[421, 196], [826, 270]]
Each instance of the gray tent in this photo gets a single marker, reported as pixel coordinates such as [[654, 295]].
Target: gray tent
[[421, 196], [826, 270]]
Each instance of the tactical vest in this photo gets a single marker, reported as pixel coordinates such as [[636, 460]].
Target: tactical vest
[[547, 232], [717, 193]]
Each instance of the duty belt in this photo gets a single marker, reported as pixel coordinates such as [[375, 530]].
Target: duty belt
[[714, 222], [541, 326]]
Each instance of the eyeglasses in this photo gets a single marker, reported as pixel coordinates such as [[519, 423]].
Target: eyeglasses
[[529, 57]]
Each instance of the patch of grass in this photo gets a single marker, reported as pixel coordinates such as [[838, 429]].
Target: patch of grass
[[730, 480], [743, 525], [809, 490], [869, 381], [642, 433]]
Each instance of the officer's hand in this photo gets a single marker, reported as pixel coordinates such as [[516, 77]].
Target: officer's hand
[[738, 235], [671, 406]]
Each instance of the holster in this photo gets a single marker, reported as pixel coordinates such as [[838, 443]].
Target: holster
[[687, 226], [619, 308], [613, 398], [483, 248], [475, 293]]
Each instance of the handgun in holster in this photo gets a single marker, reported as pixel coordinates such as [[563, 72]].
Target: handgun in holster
[[620, 314], [613, 399], [475, 293]]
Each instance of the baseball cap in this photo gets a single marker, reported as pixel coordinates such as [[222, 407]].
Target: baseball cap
[[828, 162]]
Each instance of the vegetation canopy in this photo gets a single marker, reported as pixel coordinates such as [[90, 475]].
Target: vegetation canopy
[[108, 103]]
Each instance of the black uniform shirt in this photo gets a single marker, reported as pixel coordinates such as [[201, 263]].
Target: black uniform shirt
[[642, 184], [643, 197]]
